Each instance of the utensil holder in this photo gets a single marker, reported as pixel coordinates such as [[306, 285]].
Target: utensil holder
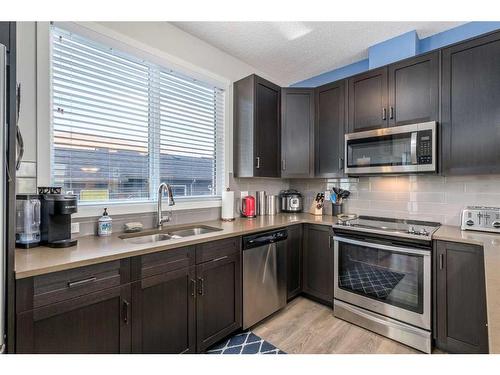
[[337, 208]]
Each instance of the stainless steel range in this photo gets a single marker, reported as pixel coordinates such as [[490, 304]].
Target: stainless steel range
[[383, 277]]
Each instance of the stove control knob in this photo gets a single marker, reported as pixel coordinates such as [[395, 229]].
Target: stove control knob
[[423, 232], [496, 224], [471, 222], [411, 230]]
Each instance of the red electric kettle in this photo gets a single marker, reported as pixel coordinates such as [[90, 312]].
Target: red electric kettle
[[248, 206]]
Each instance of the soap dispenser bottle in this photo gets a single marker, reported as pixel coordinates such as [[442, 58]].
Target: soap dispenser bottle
[[105, 224]]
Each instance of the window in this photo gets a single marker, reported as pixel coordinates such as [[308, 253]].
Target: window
[[122, 125]]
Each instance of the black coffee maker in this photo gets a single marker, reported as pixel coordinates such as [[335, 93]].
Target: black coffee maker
[[56, 217]]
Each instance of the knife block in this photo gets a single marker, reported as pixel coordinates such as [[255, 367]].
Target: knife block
[[314, 210]]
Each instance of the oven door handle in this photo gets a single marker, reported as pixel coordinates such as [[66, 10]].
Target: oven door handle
[[398, 249]]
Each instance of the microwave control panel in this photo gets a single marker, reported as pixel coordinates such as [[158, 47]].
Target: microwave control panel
[[424, 147]]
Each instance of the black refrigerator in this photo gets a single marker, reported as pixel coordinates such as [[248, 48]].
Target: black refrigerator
[[8, 117]]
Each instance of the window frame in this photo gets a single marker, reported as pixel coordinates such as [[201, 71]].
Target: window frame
[[103, 35]]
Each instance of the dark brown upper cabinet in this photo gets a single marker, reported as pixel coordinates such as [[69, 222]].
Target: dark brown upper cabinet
[[368, 101], [470, 116], [414, 90], [460, 298], [402, 93], [297, 133], [257, 136], [330, 129]]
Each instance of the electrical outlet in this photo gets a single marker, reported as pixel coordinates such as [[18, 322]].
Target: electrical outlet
[[75, 227]]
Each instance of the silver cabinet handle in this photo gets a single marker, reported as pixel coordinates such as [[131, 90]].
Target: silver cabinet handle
[[73, 284], [384, 114], [441, 261], [258, 162], [201, 287], [391, 112], [341, 164], [283, 164], [193, 288]]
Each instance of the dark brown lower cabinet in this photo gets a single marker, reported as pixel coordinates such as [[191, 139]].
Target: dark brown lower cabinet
[[318, 263], [98, 322], [218, 300], [294, 261], [163, 313], [460, 298]]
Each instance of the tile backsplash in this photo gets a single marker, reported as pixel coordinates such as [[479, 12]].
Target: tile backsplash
[[421, 197]]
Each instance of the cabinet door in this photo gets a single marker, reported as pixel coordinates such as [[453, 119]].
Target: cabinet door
[[470, 107], [318, 263], [413, 90], [163, 311], [460, 298], [91, 324], [218, 304], [297, 132], [294, 261], [330, 130], [368, 101], [267, 129]]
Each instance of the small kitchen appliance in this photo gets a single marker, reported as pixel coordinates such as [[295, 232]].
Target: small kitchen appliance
[[56, 219], [27, 220], [291, 201], [382, 277], [264, 275], [486, 219], [248, 206], [400, 149]]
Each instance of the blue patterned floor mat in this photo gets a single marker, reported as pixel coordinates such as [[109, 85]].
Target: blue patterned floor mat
[[244, 343]]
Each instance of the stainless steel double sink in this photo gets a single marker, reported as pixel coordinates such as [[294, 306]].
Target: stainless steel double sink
[[167, 234]]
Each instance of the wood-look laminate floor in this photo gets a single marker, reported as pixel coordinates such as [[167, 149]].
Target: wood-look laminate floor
[[307, 327]]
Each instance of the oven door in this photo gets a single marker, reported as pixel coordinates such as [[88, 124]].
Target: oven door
[[400, 149], [390, 280]]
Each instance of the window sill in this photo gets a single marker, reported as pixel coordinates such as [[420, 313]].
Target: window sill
[[121, 208]]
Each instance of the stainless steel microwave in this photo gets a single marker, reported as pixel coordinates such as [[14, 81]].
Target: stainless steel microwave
[[400, 149]]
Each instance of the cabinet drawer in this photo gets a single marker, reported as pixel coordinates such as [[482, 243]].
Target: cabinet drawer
[[161, 262], [216, 249], [64, 285]]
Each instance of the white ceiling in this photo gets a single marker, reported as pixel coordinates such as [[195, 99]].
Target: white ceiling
[[293, 51]]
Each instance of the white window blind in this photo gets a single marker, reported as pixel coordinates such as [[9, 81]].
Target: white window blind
[[122, 125]]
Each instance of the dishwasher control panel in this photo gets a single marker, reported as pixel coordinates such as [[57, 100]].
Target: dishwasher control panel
[[480, 218], [262, 239]]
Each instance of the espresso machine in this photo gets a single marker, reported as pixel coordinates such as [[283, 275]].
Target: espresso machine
[[27, 220], [56, 219]]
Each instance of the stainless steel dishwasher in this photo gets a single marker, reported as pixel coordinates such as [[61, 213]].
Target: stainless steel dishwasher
[[264, 275]]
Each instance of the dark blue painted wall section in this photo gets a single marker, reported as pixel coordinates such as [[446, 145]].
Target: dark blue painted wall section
[[399, 48]]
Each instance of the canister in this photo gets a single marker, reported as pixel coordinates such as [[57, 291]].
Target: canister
[[272, 205]]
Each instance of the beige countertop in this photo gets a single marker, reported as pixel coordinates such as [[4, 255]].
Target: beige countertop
[[93, 249], [491, 246]]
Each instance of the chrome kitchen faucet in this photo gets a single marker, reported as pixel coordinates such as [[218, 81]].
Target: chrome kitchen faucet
[[170, 199]]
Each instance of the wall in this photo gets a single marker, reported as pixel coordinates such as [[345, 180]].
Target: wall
[[156, 38], [26, 77], [401, 47], [421, 197]]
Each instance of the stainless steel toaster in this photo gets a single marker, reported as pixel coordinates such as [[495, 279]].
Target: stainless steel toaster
[[481, 218]]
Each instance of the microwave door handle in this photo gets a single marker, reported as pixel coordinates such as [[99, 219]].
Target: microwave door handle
[[413, 147], [398, 249]]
